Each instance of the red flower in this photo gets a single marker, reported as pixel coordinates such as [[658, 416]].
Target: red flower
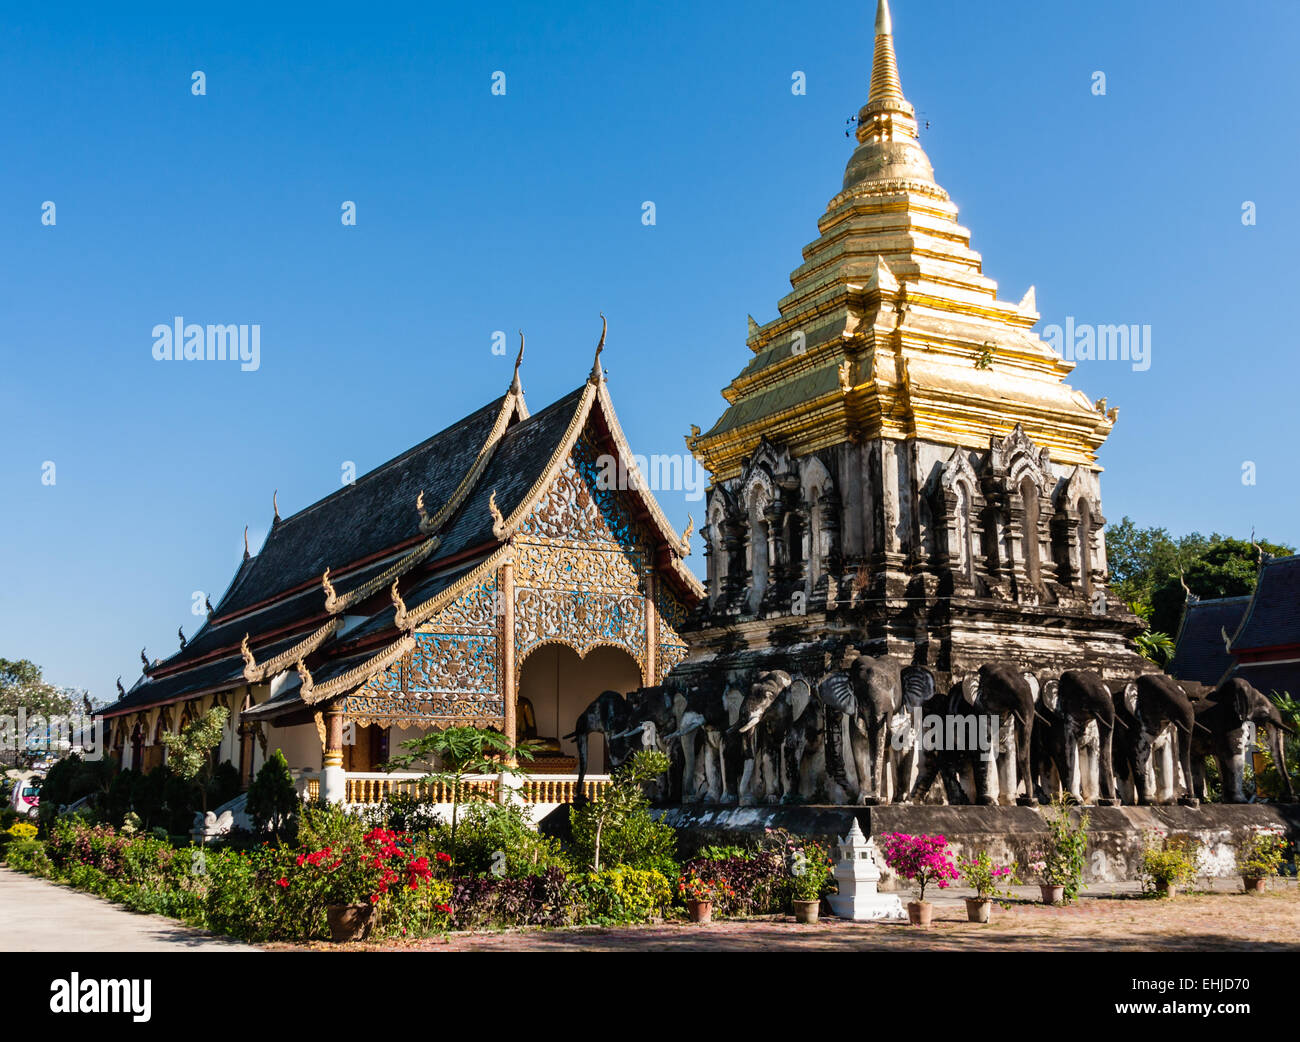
[[282, 881], [445, 858]]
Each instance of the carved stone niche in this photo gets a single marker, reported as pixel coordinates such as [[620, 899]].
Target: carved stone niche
[[956, 504], [1076, 531], [1017, 481]]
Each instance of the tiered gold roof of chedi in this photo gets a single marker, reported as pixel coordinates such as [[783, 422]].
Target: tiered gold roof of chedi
[[892, 329]]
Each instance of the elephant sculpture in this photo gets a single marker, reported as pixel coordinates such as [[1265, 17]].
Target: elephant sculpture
[[944, 717], [765, 719], [1074, 735], [1002, 694], [1153, 756], [871, 695], [1222, 716], [606, 715], [711, 752], [651, 719]]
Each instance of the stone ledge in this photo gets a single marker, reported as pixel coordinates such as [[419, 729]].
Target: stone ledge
[[1115, 840]]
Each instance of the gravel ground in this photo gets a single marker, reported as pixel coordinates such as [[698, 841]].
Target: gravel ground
[[1116, 917]]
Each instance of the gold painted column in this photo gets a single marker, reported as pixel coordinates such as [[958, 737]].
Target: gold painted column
[[651, 630], [507, 643], [333, 786]]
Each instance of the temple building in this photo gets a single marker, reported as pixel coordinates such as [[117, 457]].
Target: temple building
[[486, 576], [901, 466], [1255, 637]]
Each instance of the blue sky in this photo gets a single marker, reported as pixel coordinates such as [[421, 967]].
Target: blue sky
[[478, 213]]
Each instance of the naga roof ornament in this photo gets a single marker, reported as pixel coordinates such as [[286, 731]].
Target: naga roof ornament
[[180, 632], [399, 607]]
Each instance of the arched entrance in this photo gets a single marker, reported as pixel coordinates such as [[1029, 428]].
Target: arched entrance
[[559, 685]]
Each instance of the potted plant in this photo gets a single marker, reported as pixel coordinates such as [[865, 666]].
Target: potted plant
[[352, 882], [699, 894], [1060, 865], [1259, 857], [922, 860], [1166, 865], [810, 872], [989, 881]]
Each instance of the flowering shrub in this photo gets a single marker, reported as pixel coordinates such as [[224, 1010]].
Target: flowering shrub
[[1165, 862], [702, 882], [988, 879], [921, 859], [810, 871], [21, 830], [383, 870], [757, 883], [1260, 855]]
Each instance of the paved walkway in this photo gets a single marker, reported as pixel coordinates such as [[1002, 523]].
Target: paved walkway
[[39, 916]]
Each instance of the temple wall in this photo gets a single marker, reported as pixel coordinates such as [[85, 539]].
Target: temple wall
[[301, 745]]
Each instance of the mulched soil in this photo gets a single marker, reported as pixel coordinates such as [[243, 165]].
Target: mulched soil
[[1117, 921]]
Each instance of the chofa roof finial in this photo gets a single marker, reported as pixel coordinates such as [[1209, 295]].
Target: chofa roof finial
[[121, 691], [597, 374], [144, 658], [515, 384], [247, 555], [180, 632], [275, 506]]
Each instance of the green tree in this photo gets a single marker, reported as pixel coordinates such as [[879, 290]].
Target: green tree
[[1148, 567], [189, 753], [272, 797], [459, 752], [618, 819], [1158, 647], [23, 687]]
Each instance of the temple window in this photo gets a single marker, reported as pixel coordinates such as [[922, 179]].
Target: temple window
[[1085, 547], [1029, 534], [758, 547], [963, 558]]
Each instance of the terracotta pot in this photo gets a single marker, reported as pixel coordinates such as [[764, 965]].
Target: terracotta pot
[[350, 922], [1254, 884], [700, 911], [1166, 890], [978, 909], [919, 913], [1052, 895], [806, 911]]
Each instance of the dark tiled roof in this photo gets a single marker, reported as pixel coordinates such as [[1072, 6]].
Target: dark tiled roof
[[368, 518], [1200, 654], [376, 512], [225, 672], [518, 463], [1283, 677], [1273, 619]]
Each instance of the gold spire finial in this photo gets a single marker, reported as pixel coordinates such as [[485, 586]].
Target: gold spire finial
[[885, 85]]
